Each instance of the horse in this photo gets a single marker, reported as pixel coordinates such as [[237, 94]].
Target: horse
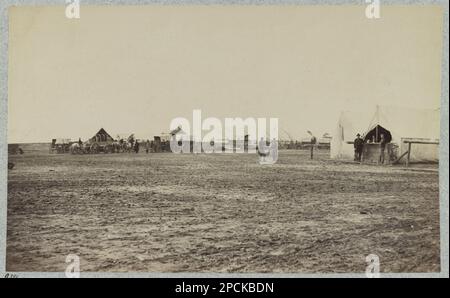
[[127, 147], [94, 148], [117, 148], [75, 148]]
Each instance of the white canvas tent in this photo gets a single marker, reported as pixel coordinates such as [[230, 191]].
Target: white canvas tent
[[402, 123], [61, 141]]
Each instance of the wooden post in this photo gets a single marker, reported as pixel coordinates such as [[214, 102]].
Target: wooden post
[[409, 154], [399, 158], [376, 134]]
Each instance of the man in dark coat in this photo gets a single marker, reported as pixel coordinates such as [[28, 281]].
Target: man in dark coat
[[358, 144], [136, 146], [383, 143], [147, 146], [313, 144]]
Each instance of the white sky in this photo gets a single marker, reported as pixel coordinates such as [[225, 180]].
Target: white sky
[[133, 69]]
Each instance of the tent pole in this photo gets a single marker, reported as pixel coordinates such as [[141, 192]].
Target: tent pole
[[378, 123]]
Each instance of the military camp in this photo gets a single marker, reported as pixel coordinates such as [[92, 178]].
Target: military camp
[[316, 189], [288, 139]]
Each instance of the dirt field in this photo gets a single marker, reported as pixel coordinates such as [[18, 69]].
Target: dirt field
[[219, 213]]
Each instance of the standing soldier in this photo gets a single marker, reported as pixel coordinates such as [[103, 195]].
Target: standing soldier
[[313, 143], [274, 150], [131, 141], [147, 146], [262, 150], [358, 144], [136, 146], [80, 145]]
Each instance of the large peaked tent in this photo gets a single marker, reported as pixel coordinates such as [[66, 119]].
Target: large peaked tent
[[101, 136], [402, 123]]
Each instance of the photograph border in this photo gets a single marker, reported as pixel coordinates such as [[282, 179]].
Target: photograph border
[[443, 159]]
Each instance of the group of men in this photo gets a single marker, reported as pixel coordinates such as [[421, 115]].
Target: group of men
[[148, 146], [134, 144], [358, 145], [270, 151]]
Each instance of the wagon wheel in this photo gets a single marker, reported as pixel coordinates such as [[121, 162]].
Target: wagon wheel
[[94, 148], [108, 148]]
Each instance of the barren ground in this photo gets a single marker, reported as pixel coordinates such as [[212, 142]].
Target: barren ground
[[219, 213]]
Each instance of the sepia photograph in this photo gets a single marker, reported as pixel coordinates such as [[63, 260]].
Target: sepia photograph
[[231, 139]]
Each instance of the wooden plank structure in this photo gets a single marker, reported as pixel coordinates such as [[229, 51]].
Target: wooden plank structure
[[411, 141], [371, 149]]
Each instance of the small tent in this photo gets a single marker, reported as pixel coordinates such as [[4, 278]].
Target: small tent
[[398, 124]]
